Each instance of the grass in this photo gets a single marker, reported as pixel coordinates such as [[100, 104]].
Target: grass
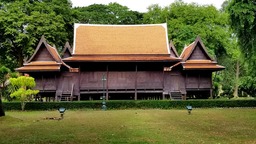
[[216, 126]]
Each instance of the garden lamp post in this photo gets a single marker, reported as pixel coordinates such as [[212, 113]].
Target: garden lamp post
[[62, 111], [189, 108], [104, 107]]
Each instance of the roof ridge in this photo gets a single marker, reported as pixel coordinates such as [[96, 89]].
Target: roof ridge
[[118, 25]]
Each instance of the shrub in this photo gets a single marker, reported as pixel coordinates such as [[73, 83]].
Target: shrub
[[160, 104]]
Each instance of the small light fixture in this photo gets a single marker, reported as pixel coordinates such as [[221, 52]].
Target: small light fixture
[[62, 111], [189, 108]]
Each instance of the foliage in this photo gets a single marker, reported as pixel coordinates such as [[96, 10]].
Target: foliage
[[186, 21], [23, 92], [2, 113], [3, 77], [22, 22], [113, 13], [164, 104], [243, 22]]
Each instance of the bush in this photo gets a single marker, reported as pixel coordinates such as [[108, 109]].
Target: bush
[[156, 104]]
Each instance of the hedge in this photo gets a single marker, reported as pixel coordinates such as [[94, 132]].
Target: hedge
[[146, 104]]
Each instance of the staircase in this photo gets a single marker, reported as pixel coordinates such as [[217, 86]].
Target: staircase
[[67, 96], [175, 95]]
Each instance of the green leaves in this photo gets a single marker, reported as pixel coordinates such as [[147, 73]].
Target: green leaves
[[23, 81], [113, 13], [243, 21], [23, 22], [186, 21], [3, 74], [23, 89]]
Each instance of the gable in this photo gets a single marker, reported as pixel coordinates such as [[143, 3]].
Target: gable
[[195, 51], [173, 53], [198, 54], [43, 54], [66, 54], [66, 51]]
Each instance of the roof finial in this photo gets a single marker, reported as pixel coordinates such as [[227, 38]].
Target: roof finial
[[67, 45]]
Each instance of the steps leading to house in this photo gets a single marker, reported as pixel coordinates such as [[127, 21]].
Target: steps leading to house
[[176, 95]]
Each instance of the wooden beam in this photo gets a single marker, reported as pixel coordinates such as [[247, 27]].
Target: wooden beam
[[56, 85], [199, 80], [79, 82], [107, 76], [136, 71]]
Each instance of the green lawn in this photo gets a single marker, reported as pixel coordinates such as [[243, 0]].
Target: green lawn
[[216, 126]]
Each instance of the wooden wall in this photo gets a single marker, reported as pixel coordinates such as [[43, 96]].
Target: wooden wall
[[43, 55], [198, 54], [197, 80], [133, 79], [91, 80], [174, 81], [149, 80], [45, 81], [65, 82]]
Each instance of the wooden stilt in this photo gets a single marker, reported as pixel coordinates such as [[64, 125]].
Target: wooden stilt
[[136, 96]]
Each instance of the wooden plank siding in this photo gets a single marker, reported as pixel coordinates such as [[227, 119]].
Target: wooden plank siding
[[198, 54], [199, 80], [174, 81], [43, 55], [132, 80]]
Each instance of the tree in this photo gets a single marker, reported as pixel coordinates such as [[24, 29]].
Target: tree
[[113, 13], [22, 22], [186, 21], [243, 22], [3, 77], [24, 91]]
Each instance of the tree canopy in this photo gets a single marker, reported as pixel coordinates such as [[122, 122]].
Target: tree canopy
[[23, 89], [113, 13], [23, 22], [243, 23], [186, 21]]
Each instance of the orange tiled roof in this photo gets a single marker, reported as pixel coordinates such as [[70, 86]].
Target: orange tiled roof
[[54, 53], [38, 63], [186, 51], [121, 58], [38, 68], [201, 65], [120, 39]]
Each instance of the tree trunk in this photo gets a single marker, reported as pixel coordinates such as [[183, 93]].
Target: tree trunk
[[235, 94], [20, 58], [23, 106], [2, 113]]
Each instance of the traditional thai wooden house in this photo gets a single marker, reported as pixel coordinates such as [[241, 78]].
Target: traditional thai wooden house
[[122, 62]]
